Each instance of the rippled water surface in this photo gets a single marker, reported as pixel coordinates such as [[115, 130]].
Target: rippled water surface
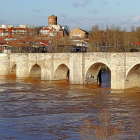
[[45, 110]]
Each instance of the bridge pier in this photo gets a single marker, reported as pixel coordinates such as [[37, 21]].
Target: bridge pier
[[117, 80], [46, 74], [22, 70], [118, 70], [4, 64], [76, 69]]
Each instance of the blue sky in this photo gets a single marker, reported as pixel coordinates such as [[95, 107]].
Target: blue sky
[[124, 13]]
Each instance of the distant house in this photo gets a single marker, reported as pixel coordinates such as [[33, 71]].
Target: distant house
[[54, 31], [4, 32], [11, 31], [45, 31], [78, 33], [138, 43]]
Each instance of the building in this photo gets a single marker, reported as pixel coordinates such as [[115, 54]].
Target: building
[[11, 31], [77, 32], [53, 29], [4, 32], [52, 20]]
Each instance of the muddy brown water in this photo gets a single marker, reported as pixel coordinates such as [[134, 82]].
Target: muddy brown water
[[56, 110]]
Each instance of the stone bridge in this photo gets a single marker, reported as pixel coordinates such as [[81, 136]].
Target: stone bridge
[[81, 68]]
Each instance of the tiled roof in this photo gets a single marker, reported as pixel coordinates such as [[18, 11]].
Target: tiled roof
[[138, 43]]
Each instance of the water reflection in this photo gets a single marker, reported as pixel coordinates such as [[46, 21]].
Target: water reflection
[[57, 110]]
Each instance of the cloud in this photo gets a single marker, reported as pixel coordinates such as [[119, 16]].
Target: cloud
[[37, 10], [84, 4], [104, 2], [92, 12], [135, 19], [75, 5]]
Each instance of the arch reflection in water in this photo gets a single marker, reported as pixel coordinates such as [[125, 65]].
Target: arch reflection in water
[[99, 73]]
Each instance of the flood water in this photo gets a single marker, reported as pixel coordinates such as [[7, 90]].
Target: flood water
[[45, 110]]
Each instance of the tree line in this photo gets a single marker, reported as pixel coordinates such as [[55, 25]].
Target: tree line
[[113, 39]]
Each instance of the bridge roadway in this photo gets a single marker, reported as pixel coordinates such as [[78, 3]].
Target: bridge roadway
[[83, 67]]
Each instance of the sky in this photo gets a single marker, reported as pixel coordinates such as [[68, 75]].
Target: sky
[[73, 13]]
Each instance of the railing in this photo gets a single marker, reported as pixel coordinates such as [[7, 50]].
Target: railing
[[62, 49]]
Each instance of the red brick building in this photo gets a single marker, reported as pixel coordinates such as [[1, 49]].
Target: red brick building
[[11, 31]]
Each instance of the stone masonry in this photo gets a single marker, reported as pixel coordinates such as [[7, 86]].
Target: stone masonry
[[83, 67]]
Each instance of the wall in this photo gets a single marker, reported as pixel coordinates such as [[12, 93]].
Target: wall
[[83, 67]]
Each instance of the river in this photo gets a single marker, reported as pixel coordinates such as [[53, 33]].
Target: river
[[56, 110]]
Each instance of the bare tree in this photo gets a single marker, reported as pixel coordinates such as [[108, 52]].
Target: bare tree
[[113, 39]]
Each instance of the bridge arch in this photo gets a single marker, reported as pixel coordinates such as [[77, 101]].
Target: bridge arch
[[131, 67], [94, 74], [62, 72], [133, 76], [35, 72], [13, 71]]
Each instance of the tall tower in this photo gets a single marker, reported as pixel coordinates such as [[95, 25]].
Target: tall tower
[[52, 20]]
